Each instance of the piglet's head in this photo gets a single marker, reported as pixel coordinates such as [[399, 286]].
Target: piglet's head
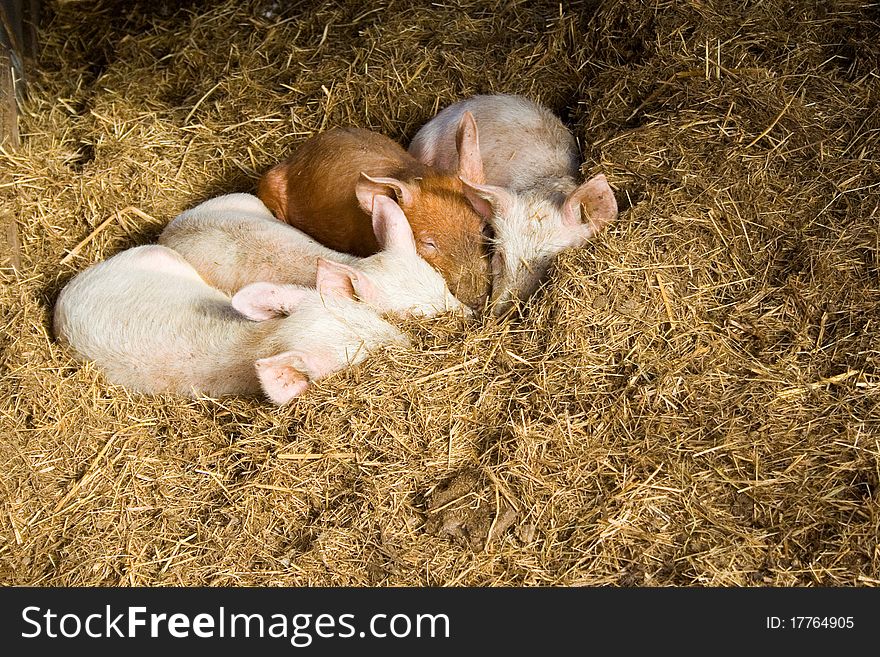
[[447, 230], [397, 279], [531, 230]]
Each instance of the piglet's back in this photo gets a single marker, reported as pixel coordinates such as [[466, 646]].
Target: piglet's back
[[151, 323], [234, 240], [521, 142], [314, 189]]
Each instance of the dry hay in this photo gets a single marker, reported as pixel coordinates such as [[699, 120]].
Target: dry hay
[[692, 400]]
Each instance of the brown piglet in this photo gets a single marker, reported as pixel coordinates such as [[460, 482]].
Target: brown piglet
[[326, 189]]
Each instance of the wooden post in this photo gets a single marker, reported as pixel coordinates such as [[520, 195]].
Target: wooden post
[[18, 49], [8, 103]]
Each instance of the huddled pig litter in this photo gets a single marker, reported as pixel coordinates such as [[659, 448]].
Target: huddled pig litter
[[692, 399]]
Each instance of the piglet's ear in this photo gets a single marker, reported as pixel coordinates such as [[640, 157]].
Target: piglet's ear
[[335, 278], [367, 188], [488, 200], [391, 226], [467, 143], [598, 202], [342, 280], [260, 301], [281, 377]]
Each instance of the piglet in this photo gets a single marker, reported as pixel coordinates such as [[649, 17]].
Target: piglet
[[532, 199], [151, 323], [326, 187], [234, 240]]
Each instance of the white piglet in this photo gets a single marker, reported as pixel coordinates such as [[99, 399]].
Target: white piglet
[[531, 197], [234, 240], [151, 323]]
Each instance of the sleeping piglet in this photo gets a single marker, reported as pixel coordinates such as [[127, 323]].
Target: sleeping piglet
[[325, 188], [532, 200], [234, 240], [149, 322]]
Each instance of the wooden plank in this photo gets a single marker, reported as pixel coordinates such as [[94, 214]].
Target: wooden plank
[[12, 24], [8, 105], [9, 62]]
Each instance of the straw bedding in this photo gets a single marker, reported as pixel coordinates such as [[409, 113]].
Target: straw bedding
[[691, 400]]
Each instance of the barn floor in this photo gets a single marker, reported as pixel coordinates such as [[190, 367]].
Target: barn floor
[[692, 400]]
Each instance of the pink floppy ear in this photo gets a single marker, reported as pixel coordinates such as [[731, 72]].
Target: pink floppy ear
[[367, 188], [598, 201], [345, 281], [335, 278], [260, 301], [281, 377], [391, 226], [467, 143], [488, 200]]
